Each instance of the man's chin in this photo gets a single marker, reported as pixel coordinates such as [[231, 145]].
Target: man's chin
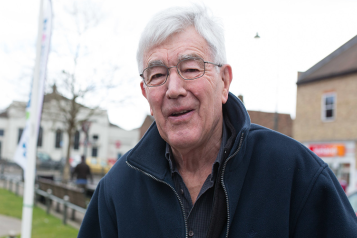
[[183, 142]]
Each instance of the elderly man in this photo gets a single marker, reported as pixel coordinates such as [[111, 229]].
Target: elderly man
[[202, 169]]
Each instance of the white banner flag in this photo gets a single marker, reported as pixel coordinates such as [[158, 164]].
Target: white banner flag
[[20, 156]]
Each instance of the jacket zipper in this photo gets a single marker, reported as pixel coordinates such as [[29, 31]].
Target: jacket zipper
[[161, 181], [224, 186]]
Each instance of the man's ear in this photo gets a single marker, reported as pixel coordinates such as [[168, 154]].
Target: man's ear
[[143, 89], [227, 76]]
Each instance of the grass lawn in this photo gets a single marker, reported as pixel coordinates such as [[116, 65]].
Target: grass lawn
[[43, 225]]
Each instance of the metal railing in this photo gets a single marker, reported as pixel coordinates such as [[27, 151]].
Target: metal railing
[[8, 184]]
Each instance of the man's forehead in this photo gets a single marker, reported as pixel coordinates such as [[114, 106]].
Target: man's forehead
[[159, 62], [177, 46]]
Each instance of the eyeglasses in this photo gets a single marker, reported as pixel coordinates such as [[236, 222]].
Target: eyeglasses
[[188, 69]]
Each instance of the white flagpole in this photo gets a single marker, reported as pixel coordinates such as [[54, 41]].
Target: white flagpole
[[27, 209]]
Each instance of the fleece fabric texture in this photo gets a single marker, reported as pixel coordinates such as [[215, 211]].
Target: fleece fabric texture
[[274, 186]]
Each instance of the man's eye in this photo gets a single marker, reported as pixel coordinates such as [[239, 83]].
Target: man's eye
[[157, 76], [191, 70]]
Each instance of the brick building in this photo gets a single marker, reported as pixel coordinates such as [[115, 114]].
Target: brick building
[[326, 111], [280, 122]]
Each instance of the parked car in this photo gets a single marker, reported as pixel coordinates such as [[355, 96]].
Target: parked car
[[353, 200], [98, 165], [44, 161]]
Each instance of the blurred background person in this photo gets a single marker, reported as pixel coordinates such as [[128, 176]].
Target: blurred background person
[[82, 172]]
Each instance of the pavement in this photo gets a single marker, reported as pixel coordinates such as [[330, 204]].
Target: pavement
[[9, 226]]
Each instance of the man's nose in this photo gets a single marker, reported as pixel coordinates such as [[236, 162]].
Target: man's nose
[[176, 85]]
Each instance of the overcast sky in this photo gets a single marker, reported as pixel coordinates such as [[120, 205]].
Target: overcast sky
[[295, 35]]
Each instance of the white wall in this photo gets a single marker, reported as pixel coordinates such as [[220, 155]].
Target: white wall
[[15, 121], [126, 139], [100, 126], [3, 126]]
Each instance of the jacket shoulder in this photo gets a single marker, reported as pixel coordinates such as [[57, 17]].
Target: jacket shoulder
[[118, 172], [280, 146]]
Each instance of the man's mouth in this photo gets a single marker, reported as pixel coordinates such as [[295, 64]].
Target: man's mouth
[[176, 114]]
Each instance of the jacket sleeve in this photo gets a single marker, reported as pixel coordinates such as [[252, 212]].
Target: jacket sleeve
[[98, 221], [325, 210]]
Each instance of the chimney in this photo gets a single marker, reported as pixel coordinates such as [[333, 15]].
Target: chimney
[[54, 89], [299, 73]]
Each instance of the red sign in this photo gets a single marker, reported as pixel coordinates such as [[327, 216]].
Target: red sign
[[117, 144], [328, 150], [111, 162]]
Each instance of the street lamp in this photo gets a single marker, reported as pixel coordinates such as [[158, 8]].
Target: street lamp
[[276, 115], [85, 128]]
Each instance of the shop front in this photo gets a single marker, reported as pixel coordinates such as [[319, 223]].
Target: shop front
[[341, 158]]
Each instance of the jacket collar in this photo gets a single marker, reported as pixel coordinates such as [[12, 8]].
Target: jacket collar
[[149, 154]]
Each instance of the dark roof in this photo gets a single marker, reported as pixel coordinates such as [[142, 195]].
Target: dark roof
[[54, 96], [342, 61], [284, 123], [146, 124], [4, 114]]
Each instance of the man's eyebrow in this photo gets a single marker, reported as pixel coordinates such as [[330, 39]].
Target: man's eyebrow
[[156, 63], [181, 57], [189, 56]]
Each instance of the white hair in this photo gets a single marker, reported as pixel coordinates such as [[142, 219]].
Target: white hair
[[177, 19]]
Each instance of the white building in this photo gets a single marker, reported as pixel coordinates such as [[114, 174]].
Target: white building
[[106, 141]]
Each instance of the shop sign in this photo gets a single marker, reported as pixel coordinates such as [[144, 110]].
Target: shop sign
[[117, 144], [111, 161], [328, 150]]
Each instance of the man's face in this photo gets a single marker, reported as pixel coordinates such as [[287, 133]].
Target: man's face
[[187, 112]]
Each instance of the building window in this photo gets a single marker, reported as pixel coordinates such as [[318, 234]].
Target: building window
[[19, 134], [95, 145], [1, 132], [39, 138], [76, 140], [58, 139], [328, 112], [94, 151]]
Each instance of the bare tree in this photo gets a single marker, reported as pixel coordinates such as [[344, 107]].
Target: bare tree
[[70, 114], [78, 80]]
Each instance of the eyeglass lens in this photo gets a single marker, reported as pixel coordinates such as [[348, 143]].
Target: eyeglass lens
[[188, 69]]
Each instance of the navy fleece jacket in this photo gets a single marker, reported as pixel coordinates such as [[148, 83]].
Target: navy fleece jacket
[[274, 187]]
